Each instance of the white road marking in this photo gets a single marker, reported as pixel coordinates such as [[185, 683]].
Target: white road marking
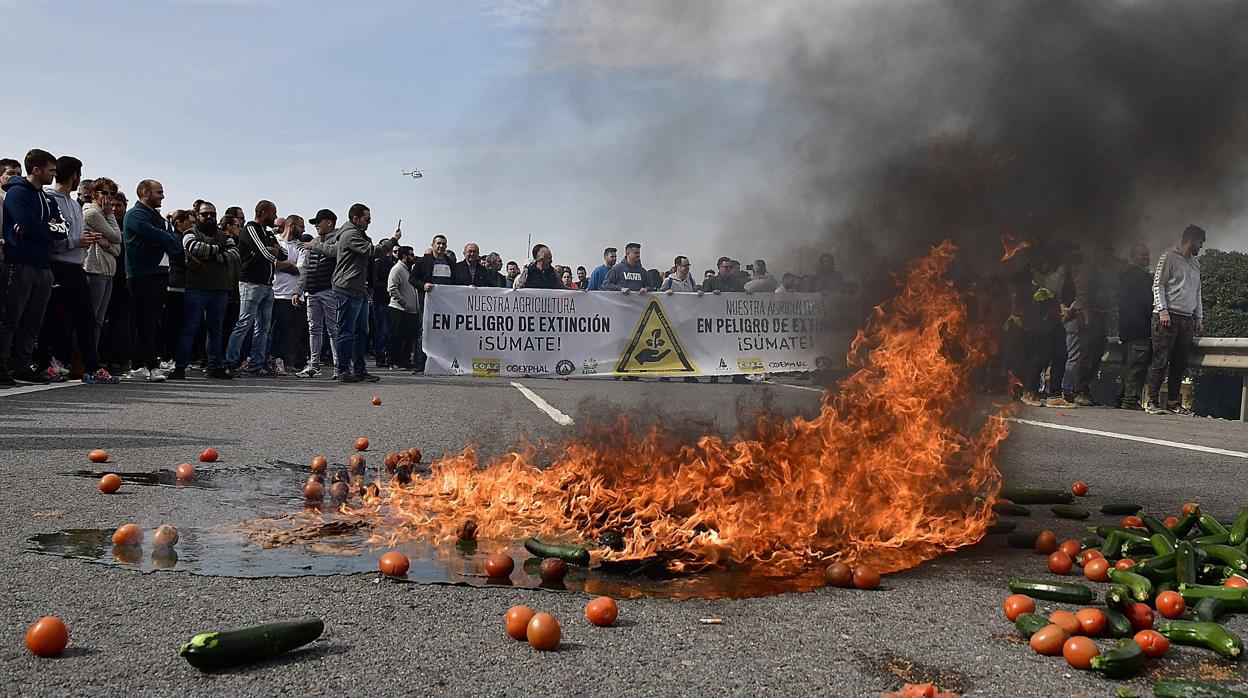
[[795, 387], [544, 406], [1129, 437], [37, 388]]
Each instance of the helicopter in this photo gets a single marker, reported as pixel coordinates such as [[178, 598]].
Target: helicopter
[[413, 173]]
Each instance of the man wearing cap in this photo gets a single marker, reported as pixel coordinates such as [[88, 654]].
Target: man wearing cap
[[316, 282]]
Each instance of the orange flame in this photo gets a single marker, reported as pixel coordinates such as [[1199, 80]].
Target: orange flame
[[888, 473], [1011, 247]]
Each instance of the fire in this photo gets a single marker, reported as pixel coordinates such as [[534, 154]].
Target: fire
[[889, 472], [1010, 246]]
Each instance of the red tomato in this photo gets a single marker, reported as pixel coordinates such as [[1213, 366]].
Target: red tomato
[[1071, 548], [313, 491], [1079, 489], [1079, 652], [866, 578], [391, 462], [1235, 582], [128, 534], [319, 464], [166, 537], [110, 483], [499, 566], [1066, 621], [376, 400], [1170, 604], [1049, 640], [518, 618], [1189, 508], [602, 611], [1018, 604], [1092, 621], [1060, 563], [553, 570], [185, 471], [209, 455], [361, 444], [1125, 563], [1132, 522], [393, 564], [1046, 543], [99, 455], [1140, 615], [47, 637], [1152, 642], [1097, 570], [544, 632], [1170, 522]]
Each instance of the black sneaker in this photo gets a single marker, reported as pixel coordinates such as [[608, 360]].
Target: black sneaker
[[348, 378], [29, 376], [178, 374], [218, 373], [263, 372], [5, 379], [368, 377]]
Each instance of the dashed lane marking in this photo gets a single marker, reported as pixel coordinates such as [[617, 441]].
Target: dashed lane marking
[[22, 390], [1129, 437], [544, 406]]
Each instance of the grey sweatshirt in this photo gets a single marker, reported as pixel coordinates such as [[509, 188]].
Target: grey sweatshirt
[[353, 250], [1176, 285], [69, 250], [99, 260], [624, 275], [402, 292]]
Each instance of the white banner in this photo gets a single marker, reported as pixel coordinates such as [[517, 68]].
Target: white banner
[[503, 332]]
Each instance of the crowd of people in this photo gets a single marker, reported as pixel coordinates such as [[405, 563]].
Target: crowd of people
[[1063, 297], [96, 289]]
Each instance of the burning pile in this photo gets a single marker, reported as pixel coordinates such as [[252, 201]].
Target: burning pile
[[887, 474]]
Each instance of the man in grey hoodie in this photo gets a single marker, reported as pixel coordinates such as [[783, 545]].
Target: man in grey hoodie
[[1178, 314], [353, 251], [628, 275]]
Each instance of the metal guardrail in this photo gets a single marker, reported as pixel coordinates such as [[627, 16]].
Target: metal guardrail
[[1228, 354]]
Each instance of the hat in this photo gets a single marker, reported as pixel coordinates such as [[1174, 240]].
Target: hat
[[322, 215]]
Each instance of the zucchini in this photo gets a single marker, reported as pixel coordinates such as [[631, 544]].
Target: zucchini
[[997, 527], [1229, 556], [1184, 564], [1234, 598], [1022, 540], [1008, 508], [1186, 524], [1158, 528], [1161, 562], [571, 554], [1112, 550], [1209, 609], [1138, 549], [1141, 588], [1029, 624], [1069, 511], [1197, 633], [1120, 509], [1124, 659], [1215, 539], [1210, 525], [1182, 688], [1118, 597], [1239, 527], [229, 648], [1119, 625], [1127, 534], [1065, 592], [1161, 544], [1032, 495], [1215, 574]]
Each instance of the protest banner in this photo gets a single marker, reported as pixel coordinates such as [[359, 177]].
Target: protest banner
[[492, 332]]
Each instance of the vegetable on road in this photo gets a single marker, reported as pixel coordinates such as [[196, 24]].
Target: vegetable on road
[[229, 648]]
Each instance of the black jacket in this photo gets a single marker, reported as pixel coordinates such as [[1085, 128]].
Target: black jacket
[[258, 264], [422, 272], [318, 270], [542, 278], [1135, 304], [466, 274], [729, 284]]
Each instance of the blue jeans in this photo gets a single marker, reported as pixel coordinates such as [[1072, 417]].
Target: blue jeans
[[194, 304], [352, 333], [1071, 377], [255, 313]]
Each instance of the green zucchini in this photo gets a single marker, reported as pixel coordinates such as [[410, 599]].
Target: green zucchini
[[1229, 556], [1066, 592], [1002, 526], [1197, 633], [1125, 659], [1029, 624], [1138, 549], [1022, 540], [1032, 495], [1162, 545], [1118, 624], [229, 648], [571, 554], [1112, 549], [1239, 527], [1215, 539], [1118, 597], [1128, 534], [1186, 524], [1210, 525], [1158, 528], [1215, 574], [1007, 508], [1159, 562], [1120, 509], [1234, 598], [1209, 609], [1182, 688], [1184, 564], [1141, 588], [1069, 511]]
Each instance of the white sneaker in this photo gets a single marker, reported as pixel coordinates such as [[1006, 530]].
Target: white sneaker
[[1151, 408], [166, 365], [157, 376], [138, 374], [309, 371], [279, 367], [59, 367]]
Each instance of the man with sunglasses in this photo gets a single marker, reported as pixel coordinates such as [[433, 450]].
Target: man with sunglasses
[[208, 254]]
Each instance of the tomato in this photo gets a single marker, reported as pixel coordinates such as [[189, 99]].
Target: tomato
[[1170, 604], [838, 574], [1097, 570], [393, 564], [1092, 621], [553, 570], [1235, 582], [1092, 554], [376, 400], [1046, 543], [1070, 547], [518, 618], [1125, 563], [544, 632], [340, 490], [355, 464], [99, 455], [392, 462], [1049, 640], [47, 637], [209, 455], [1152, 642], [414, 454], [602, 611], [110, 483], [1140, 615], [361, 444], [1018, 604], [499, 565], [128, 534], [866, 578], [1060, 563], [165, 537], [1189, 508], [185, 471], [1079, 489], [1132, 522], [1170, 522], [313, 491], [319, 464], [1066, 621], [1079, 652]]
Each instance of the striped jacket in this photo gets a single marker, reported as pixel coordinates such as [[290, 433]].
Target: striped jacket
[[258, 263]]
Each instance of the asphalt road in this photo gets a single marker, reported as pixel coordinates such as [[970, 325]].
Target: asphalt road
[[940, 622]]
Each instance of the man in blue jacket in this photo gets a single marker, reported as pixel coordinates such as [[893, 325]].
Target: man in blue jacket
[[599, 275], [32, 222], [149, 242]]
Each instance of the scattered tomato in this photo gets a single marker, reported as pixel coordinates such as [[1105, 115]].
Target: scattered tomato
[[1092, 554], [393, 564], [1189, 508], [1097, 570], [98, 455], [1170, 604], [319, 464], [544, 632], [47, 637], [1060, 563], [1079, 652], [1235, 582], [313, 491], [1079, 489], [1125, 563], [165, 537], [361, 444], [185, 471], [1140, 615], [110, 483], [518, 618], [340, 490], [1049, 640], [1018, 604], [1070, 547], [1153, 643], [602, 611], [376, 400], [209, 455], [128, 534], [355, 464], [499, 565], [553, 570], [1066, 621], [1092, 621], [1132, 522], [414, 454], [838, 574], [391, 462], [866, 578], [1046, 543], [1170, 522]]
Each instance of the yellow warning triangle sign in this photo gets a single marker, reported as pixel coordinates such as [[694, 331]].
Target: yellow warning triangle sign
[[654, 346]]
